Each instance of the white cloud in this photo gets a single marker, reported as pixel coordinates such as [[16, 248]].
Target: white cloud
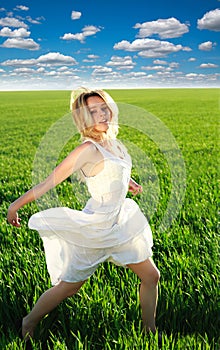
[[55, 59], [191, 75], [87, 60], [68, 72], [121, 62], [160, 62], [29, 73], [174, 65], [21, 8], [210, 21], [70, 36], [76, 15], [192, 59], [24, 70], [17, 33], [56, 79], [20, 43], [206, 46], [135, 74], [95, 66], [101, 71], [90, 30], [165, 28], [93, 57], [50, 59], [150, 47], [86, 31], [12, 22], [62, 69], [52, 73], [40, 70], [153, 68], [19, 63], [34, 21], [157, 68], [208, 65]]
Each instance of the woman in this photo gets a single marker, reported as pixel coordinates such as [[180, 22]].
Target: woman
[[111, 227]]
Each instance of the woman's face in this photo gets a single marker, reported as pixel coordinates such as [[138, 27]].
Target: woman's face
[[100, 113]]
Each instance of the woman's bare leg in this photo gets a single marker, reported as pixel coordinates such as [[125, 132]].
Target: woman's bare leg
[[149, 275], [46, 303]]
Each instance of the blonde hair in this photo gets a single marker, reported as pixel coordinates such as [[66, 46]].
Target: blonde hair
[[83, 118]]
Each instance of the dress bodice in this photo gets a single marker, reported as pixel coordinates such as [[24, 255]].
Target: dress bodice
[[109, 187]]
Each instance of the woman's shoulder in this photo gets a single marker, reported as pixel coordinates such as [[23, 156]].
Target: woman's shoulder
[[90, 149], [86, 146]]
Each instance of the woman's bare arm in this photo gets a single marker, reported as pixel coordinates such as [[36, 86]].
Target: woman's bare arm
[[74, 161]]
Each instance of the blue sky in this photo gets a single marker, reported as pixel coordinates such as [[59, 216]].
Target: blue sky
[[113, 44]]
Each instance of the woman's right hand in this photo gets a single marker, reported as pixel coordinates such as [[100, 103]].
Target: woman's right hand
[[13, 218]]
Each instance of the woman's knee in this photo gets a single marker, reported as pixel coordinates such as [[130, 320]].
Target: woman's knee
[[147, 272], [152, 277], [152, 274]]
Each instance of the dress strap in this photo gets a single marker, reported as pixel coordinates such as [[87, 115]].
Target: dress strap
[[122, 157], [102, 150]]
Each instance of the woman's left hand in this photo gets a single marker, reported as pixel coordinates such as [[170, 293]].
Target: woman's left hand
[[13, 218], [134, 187]]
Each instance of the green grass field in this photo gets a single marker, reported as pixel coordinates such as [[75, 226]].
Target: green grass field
[[105, 314]]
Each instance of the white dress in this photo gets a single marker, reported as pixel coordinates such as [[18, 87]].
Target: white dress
[[109, 219]]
